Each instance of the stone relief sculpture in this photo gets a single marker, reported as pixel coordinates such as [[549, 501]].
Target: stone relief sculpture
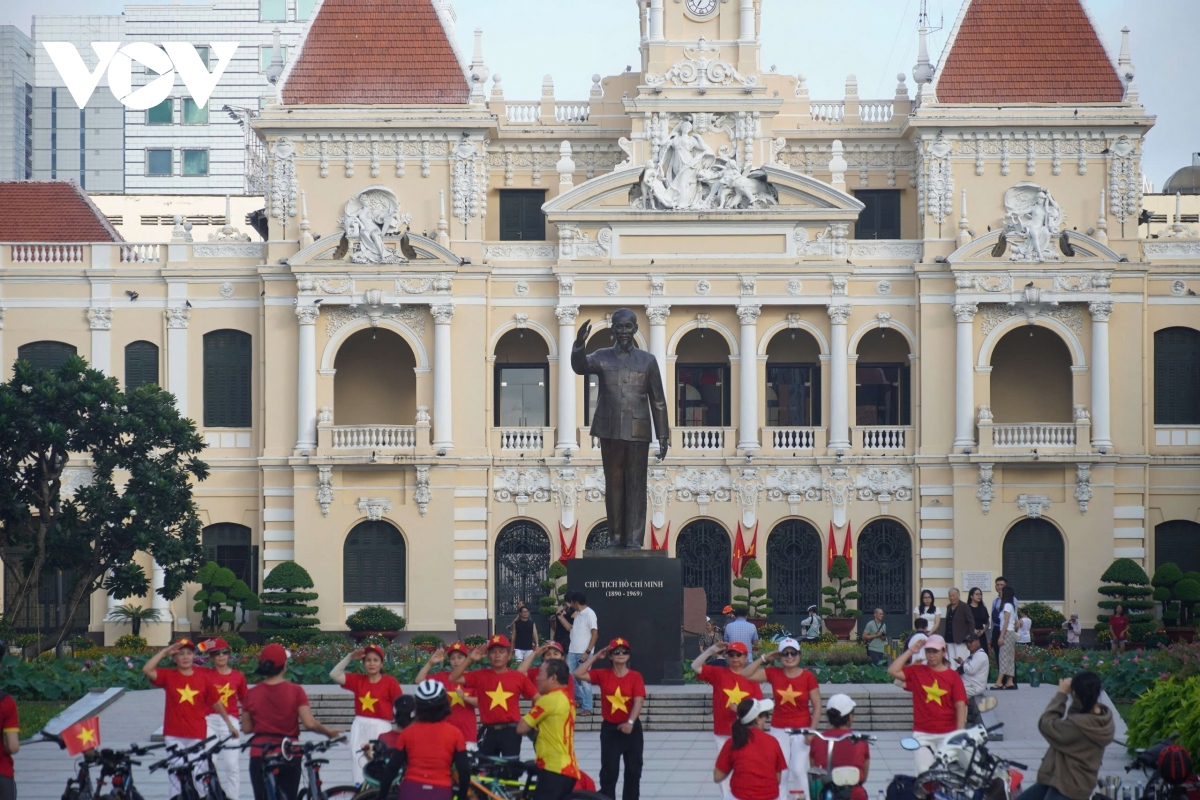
[[369, 216], [1032, 221]]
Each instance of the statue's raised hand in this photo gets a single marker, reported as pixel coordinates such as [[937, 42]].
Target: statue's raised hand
[[584, 330]]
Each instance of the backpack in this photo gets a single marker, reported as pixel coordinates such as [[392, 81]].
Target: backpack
[[901, 788]]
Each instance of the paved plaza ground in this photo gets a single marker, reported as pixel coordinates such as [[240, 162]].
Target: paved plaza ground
[[678, 765]]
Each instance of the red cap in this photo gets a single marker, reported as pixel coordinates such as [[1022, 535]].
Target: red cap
[[727, 610], [458, 647], [186, 642], [499, 640], [275, 653], [553, 645], [373, 648], [619, 642], [212, 645], [738, 647]]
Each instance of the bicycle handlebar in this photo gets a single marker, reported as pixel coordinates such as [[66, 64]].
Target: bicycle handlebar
[[854, 737]]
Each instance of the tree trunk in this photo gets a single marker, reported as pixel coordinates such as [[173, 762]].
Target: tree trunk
[[81, 592]]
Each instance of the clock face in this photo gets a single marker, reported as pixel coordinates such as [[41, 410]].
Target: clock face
[[701, 8]]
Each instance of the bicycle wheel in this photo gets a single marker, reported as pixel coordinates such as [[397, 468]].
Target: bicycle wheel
[[348, 793]]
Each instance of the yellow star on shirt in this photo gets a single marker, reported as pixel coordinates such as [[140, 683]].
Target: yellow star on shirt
[[187, 695], [788, 695], [618, 701], [934, 693], [736, 695], [86, 736], [457, 700], [227, 691], [368, 702], [499, 697]]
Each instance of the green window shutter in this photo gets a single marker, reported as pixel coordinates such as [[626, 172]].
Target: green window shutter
[[227, 379], [228, 544], [521, 217], [1177, 542], [373, 564], [1035, 559], [881, 217], [45, 355], [533, 221], [141, 364], [1177, 376]]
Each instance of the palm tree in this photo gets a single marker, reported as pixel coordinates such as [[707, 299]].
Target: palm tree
[[134, 615]]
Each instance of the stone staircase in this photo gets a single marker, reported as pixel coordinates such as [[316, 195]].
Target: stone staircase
[[673, 710]]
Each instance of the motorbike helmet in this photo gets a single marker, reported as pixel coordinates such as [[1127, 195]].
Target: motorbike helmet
[[1174, 764]]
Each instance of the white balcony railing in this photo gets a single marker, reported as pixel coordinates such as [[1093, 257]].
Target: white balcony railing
[[827, 111], [884, 438], [1034, 434], [383, 437], [523, 112], [139, 252], [702, 438], [524, 439], [793, 438], [876, 110], [47, 253]]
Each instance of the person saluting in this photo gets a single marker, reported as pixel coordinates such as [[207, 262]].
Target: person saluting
[[499, 691]]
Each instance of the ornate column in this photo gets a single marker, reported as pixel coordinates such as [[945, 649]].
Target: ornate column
[[306, 378], [100, 321], [839, 394], [656, 21], [747, 21], [157, 600], [567, 435], [177, 358], [658, 344], [748, 378], [1101, 435], [964, 376], [443, 400]]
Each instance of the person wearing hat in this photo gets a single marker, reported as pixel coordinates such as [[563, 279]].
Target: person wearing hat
[[729, 688], [462, 700], [499, 691], [974, 666], [434, 746], [622, 692], [552, 718], [751, 761], [797, 703], [938, 696], [840, 711], [374, 694], [810, 626], [226, 689], [549, 650], [273, 710]]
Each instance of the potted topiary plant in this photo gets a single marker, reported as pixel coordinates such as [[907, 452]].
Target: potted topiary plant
[[1166, 578], [755, 601], [375, 621], [1127, 584], [838, 618], [1045, 621]]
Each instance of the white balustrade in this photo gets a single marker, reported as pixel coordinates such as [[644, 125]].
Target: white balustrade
[[827, 111], [47, 253], [571, 111], [793, 438], [521, 439], [374, 436], [883, 438], [523, 112], [1034, 434], [702, 438], [139, 252], [876, 110]]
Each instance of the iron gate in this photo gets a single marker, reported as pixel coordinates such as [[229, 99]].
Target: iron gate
[[793, 571], [522, 558], [598, 538], [704, 552], [884, 555]]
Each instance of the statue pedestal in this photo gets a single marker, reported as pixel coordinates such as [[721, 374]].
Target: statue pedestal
[[638, 598]]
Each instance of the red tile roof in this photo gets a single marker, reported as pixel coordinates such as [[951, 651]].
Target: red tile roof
[[366, 52], [1027, 51], [51, 211]]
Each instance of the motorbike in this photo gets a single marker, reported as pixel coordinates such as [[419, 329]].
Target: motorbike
[[836, 782], [963, 769]]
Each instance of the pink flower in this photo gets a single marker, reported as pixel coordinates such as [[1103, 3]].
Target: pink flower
[[1135, 659]]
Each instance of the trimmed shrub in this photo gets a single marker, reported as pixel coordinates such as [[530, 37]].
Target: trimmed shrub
[[756, 602], [475, 641], [285, 613], [130, 642], [837, 597], [427, 640], [375, 618], [1128, 585], [1043, 616], [336, 639]]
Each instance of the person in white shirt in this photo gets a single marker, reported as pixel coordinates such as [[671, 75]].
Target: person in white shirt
[[1007, 640], [583, 643], [927, 611], [974, 670], [1024, 626]]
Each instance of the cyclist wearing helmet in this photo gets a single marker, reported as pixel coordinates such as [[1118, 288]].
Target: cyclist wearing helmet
[[374, 694], [433, 748], [462, 698]]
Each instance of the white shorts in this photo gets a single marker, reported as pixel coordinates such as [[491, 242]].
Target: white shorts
[[794, 784], [226, 761], [726, 792]]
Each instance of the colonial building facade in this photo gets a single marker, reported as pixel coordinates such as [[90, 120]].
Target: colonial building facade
[[924, 323]]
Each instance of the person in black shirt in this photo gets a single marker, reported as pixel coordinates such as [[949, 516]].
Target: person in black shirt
[[524, 633], [562, 633]]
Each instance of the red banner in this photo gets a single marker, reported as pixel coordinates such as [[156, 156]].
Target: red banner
[[82, 736], [654, 543], [832, 552], [739, 553], [567, 552], [848, 551], [752, 550]]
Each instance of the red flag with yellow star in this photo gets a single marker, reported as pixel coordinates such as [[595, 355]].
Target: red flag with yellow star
[[831, 554], [752, 550], [655, 544], [848, 550], [567, 552], [739, 553], [82, 736]]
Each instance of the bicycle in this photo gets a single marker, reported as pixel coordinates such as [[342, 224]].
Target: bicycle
[[183, 764], [499, 778], [116, 766], [836, 782], [311, 786], [963, 768]]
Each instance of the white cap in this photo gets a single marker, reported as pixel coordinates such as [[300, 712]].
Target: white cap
[[788, 642], [759, 707], [842, 704]]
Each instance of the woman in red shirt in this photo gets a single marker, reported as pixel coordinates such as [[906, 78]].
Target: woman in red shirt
[[434, 747], [1118, 623], [846, 753], [751, 759], [374, 694], [729, 688], [462, 698], [797, 704], [227, 688]]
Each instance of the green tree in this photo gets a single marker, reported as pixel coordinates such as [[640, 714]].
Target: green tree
[[221, 597], [554, 589], [143, 458], [134, 616], [283, 601], [838, 597], [1126, 583], [756, 601], [1164, 580]]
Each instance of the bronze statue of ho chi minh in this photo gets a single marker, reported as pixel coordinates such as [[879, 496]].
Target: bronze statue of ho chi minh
[[631, 394]]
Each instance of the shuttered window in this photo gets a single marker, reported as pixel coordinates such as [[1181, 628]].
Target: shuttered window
[[227, 372], [228, 544], [1035, 561], [373, 564], [1177, 376], [881, 217], [45, 355], [141, 364], [521, 217], [1177, 542]]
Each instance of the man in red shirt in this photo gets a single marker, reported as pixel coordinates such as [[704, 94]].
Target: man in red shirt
[[499, 691], [939, 697], [622, 692], [10, 728], [462, 699], [730, 687]]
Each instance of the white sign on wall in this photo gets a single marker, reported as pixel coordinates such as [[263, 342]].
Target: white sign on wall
[[971, 580]]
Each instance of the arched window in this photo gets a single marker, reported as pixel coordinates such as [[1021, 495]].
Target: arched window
[[229, 544], [522, 558], [793, 571], [793, 380], [375, 382], [883, 380], [45, 355], [883, 560], [227, 372], [1031, 378], [141, 364], [598, 538], [703, 551], [1035, 561], [1177, 542], [522, 381], [373, 564], [1177, 376], [702, 384]]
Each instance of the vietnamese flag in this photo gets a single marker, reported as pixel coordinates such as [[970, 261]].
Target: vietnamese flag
[[832, 553], [848, 550], [739, 553], [82, 736], [752, 550], [654, 543], [567, 552]]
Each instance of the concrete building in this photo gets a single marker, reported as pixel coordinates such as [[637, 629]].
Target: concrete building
[[924, 323], [16, 104]]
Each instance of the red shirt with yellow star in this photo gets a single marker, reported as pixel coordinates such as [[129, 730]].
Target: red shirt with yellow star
[[373, 700], [186, 705], [935, 698], [499, 694], [791, 698], [617, 693], [229, 689], [462, 716], [729, 689]]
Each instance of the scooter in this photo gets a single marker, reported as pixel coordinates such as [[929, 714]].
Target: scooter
[[963, 769], [836, 782]]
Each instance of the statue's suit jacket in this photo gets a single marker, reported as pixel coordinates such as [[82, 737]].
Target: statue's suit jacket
[[631, 391]]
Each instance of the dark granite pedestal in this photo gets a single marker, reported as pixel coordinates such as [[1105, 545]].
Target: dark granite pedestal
[[637, 595]]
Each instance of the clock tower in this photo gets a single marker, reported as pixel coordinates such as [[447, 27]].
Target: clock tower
[[671, 27]]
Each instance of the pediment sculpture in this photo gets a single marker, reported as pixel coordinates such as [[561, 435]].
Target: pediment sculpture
[[1032, 222], [369, 216], [688, 176]]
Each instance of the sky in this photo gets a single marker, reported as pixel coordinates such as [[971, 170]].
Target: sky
[[825, 41]]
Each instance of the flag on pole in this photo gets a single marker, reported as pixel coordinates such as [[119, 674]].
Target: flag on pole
[[832, 552], [739, 552], [567, 552], [752, 550], [82, 736], [848, 551], [654, 543]]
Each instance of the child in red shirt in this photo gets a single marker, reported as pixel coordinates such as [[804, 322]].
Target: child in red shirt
[[752, 760], [434, 747], [846, 753], [374, 694]]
